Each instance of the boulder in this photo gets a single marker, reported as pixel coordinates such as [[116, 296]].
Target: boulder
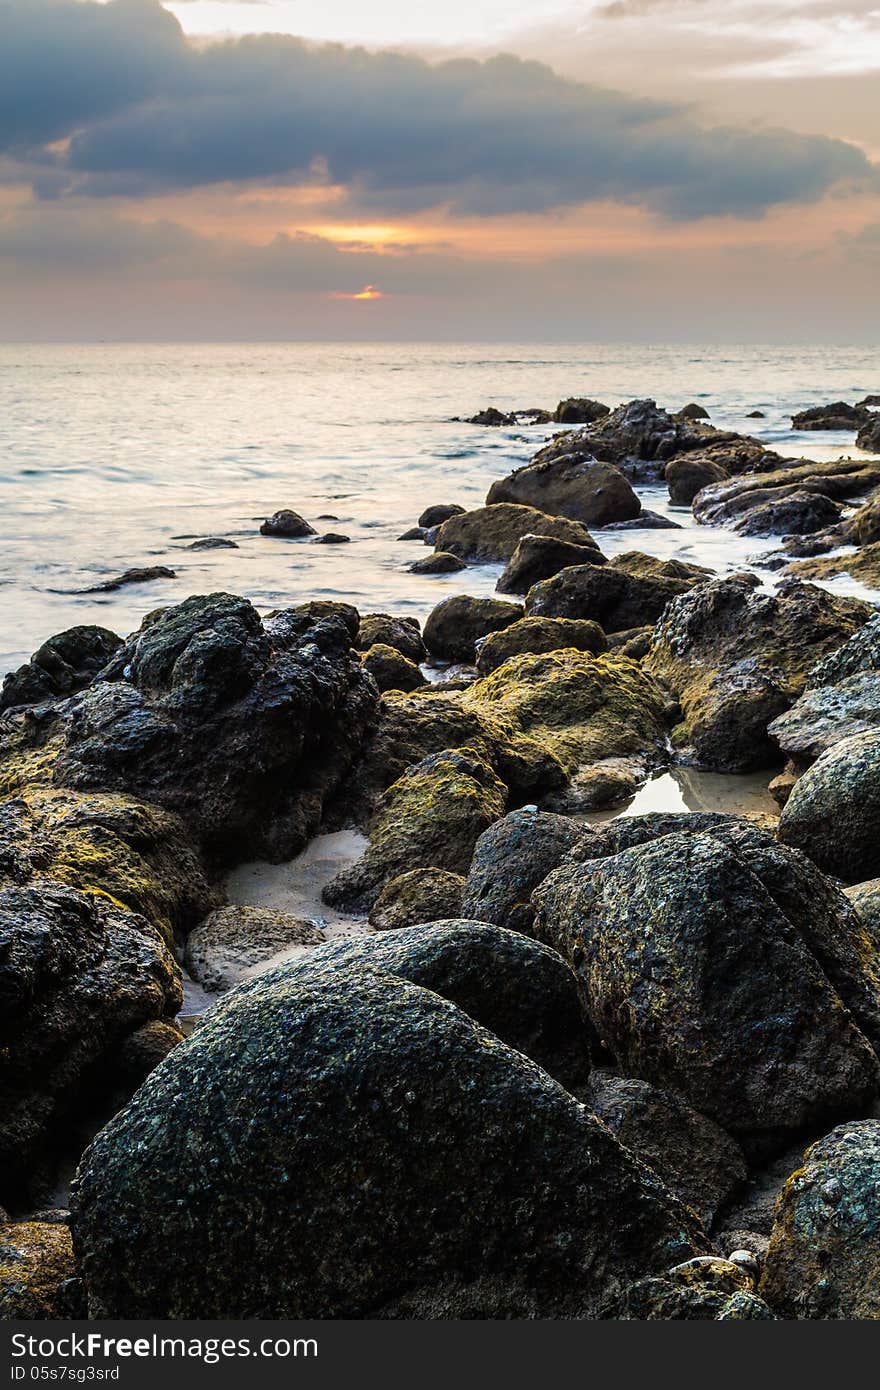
[[537, 635], [491, 416], [140, 575], [63, 665], [722, 504], [456, 625], [80, 974], [234, 941], [580, 410], [704, 1289], [440, 512], [824, 1256], [403, 634], [832, 812], [609, 595], [860, 652], [385, 1156], [698, 982], [689, 474], [799, 513], [868, 437], [510, 860], [825, 716], [241, 728], [865, 898], [696, 1159], [288, 525], [37, 1272], [418, 896], [391, 670], [693, 412], [540, 557], [864, 565], [836, 416], [430, 818], [491, 534], [441, 562], [318, 610], [575, 486], [735, 658]]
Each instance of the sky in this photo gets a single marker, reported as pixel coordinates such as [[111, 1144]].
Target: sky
[[581, 170]]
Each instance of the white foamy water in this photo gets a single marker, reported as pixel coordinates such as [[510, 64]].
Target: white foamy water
[[109, 453]]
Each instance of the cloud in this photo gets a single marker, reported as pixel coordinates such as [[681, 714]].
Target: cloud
[[141, 110]]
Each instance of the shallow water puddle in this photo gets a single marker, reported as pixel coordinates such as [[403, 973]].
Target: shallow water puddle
[[685, 789]]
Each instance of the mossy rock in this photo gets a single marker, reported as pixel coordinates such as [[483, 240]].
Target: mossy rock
[[863, 565], [421, 895], [490, 534], [539, 635], [37, 1272], [390, 669]]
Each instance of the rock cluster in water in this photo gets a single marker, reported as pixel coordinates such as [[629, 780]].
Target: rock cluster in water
[[572, 1067]]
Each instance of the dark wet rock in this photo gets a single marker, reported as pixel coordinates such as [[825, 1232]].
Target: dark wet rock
[[610, 595], [141, 1053], [213, 543], [430, 818], [37, 1272], [861, 528], [80, 974], [756, 415], [724, 503], [510, 860], [539, 635], [107, 845], [827, 715], [580, 410], [288, 525], [404, 634], [698, 982], [63, 665], [493, 533], [318, 610], [145, 575], [235, 940], [865, 898], [609, 782], [736, 658], [242, 729], [391, 670], [540, 557], [863, 565], [456, 625], [415, 533], [575, 486], [421, 895], [440, 512], [706, 1289], [332, 538], [441, 562], [824, 1257], [491, 416], [871, 401], [868, 437], [693, 412], [861, 652], [832, 812], [836, 416], [634, 642], [370, 1099], [799, 513], [689, 474], [696, 1159], [645, 521]]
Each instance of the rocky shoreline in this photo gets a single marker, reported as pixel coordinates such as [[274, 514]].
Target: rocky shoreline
[[628, 1070]]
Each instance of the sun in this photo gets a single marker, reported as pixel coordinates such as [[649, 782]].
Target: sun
[[368, 292]]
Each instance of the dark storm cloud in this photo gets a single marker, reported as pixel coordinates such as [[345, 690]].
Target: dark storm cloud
[[147, 111]]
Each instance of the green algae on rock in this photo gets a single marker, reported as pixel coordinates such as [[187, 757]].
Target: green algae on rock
[[390, 669], [420, 895], [492, 534], [539, 635], [37, 1272]]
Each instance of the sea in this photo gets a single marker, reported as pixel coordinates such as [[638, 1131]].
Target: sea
[[114, 456]]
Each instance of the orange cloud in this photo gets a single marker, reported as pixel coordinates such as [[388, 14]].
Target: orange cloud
[[368, 292]]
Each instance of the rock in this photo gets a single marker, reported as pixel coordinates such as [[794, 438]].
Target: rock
[[37, 1272], [440, 512], [241, 728], [404, 634], [605, 594], [373, 1096], [142, 1051], [609, 782], [869, 401], [735, 658], [510, 860], [415, 533], [865, 898], [234, 941], [574, 486], [580, 410], [868, 437], [862, 527], [698, 982], [861, 652], [721, 504], [456, 625], [800, 513], [491, 416], [864, 565], [430, 818], [705, 1289], [697, 1161], [540, 557], [332, 538], [63, 665], [319, 609], [634, 642], [645, 521], [493, 533], [833, 808], [825, 716], [837, 416], [419, 896], [391, 670], [213, 543], [133, 576], [80, 974], [756, 415], [693, 412], [287, 524], [537, 635], [824, 1260], [441, 562]]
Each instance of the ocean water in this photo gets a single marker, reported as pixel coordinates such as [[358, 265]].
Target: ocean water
[[109, 454]]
